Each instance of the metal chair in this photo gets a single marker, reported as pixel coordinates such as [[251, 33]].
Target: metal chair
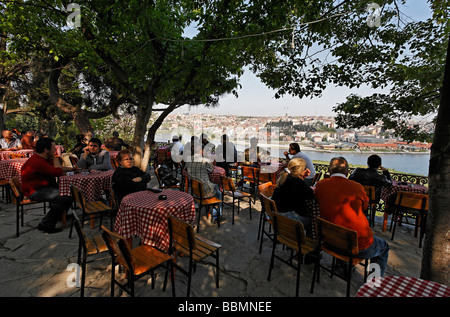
[[197, 193], [229, 189]]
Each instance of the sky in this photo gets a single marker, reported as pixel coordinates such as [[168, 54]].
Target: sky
[[255, 99]]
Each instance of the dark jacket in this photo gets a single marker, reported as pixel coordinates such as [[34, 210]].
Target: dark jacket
[[292, 195], [122, 181], [368, 176]]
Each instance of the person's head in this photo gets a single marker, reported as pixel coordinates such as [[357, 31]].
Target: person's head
[[175, 138], [7, 134], [45, 147], [374, 161], [295, 168], [115, 134], [125, 158], [294, 148], [338, 165], [30, 133], [94, 146], [80, 138]]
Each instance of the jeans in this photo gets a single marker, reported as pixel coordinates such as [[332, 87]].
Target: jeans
[[378, 253], [58, 204], [218, 194], [306, 221]]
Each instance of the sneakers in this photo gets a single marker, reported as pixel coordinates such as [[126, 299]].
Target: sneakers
[[49, 230]]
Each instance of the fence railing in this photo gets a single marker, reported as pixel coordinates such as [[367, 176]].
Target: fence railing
[[409, 178]]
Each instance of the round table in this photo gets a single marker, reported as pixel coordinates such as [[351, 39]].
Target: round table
[[388, 194], [144, 215], [4, 155], [93, 184], [11, 168], [402, 286]]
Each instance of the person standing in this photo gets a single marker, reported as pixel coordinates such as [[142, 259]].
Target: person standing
[[38, 177], [342, 201]]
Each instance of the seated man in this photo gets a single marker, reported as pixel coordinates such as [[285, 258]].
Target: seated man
[[294, 150], [255, 154], [342, 202], [28, 140], [39, 183], [370, 175], [226, 153], [94, 158], [115, 142], [9, 142], [198, 168]]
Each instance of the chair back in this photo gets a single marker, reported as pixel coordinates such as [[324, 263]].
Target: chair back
[[16, 155], [80, 231], [370, 191], [79, 197], [196, 189], [316, 178], [16, 188], [181, 233], [266, 189], [112, 199], [248, 173], [118, 248], [289, 231], [228, 184], [269, 204], [337, 238], [412, 200], [266, 177], [73, 160], [114, 163]]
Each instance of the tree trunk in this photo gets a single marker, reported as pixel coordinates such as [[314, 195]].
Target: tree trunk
[[142, 119], [435, 258]]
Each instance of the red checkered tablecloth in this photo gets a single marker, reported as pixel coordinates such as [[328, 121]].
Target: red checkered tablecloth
[[144, 215], [93, 184], [11, 168], [4, 155], [389, 191], [402, 286]]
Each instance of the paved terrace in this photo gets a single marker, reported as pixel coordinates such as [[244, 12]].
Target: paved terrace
[[35, 264]]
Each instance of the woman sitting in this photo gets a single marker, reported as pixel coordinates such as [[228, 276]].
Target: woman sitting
[[128, 178], [291, 193]]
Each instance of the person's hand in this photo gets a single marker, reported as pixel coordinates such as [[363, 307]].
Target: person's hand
[[286, 153], [137, 179], [383, 169], [306, 173]]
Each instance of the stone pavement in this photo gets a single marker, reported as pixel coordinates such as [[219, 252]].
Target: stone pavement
[[35, 264]]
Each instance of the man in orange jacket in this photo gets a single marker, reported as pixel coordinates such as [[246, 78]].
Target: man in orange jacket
[[342, 202]]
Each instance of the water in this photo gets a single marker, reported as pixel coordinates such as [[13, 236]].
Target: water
[[401, 162]]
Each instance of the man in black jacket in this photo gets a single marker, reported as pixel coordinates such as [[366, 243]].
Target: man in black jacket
[[371, 176]]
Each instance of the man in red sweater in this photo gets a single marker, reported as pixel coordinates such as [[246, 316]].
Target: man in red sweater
[[39, 183], [342, 202]]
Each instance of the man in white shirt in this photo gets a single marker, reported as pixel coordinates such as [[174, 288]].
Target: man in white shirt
[[9, 142]]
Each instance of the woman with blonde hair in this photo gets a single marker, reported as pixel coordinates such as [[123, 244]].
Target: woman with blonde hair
[[292, 192]]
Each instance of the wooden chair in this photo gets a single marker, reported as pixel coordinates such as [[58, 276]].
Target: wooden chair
[[86, 246], [268, 205], [161, 183], [267, 190], [341, 243], [137, 262], [413, 205], [114, 163], [229, 189], [197, 193], [196, 248], [16, 155], [316, 178], [6, 195], [21, 202], [250, 176], [94, 209], [372, 208], [73, 160], [290, 233]]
